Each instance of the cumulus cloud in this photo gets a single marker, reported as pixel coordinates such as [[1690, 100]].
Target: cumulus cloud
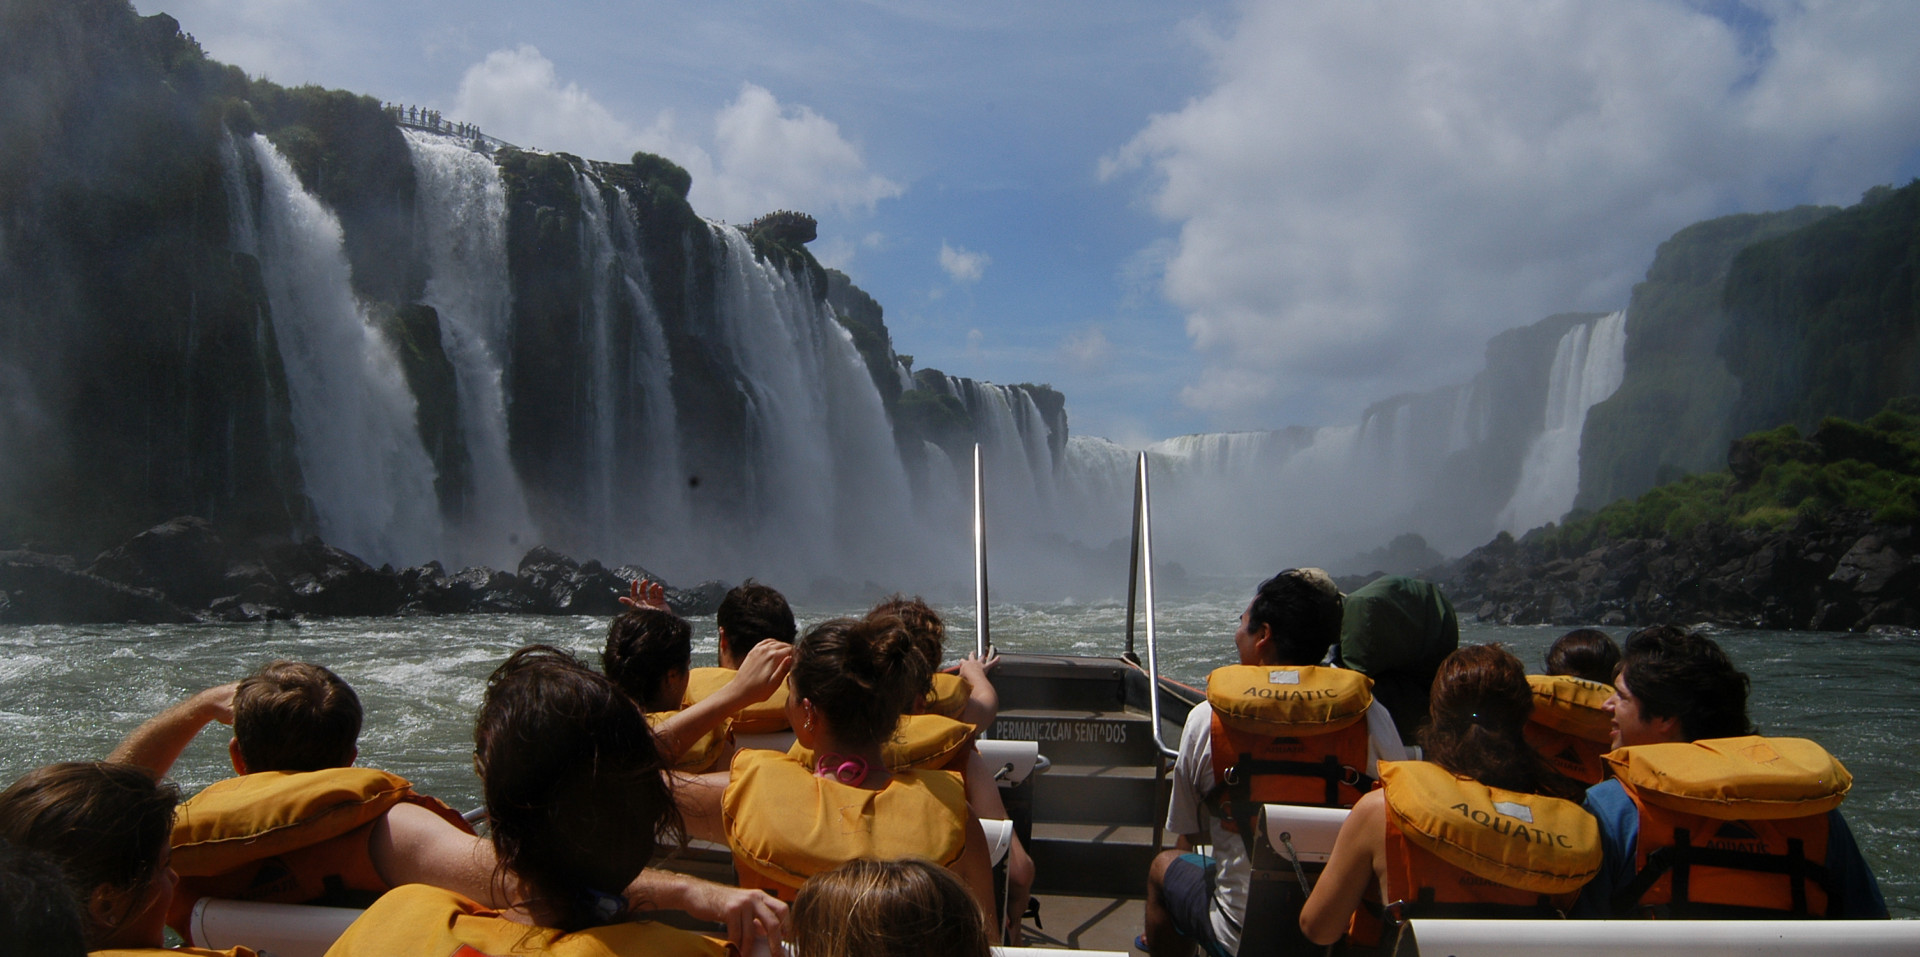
[[1368, 193], [763, 155], [961, 264], [1088, 349]]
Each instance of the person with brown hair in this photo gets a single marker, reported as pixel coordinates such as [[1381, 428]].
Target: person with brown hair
[[1436, 838], [105, 825], [38, 915], [966, 696], [906, 908], [750, 615], [649, 654], [577, 804], [852, 679], [1586, 653], [1569, 724]]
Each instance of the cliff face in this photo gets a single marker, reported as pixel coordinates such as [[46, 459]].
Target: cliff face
[[1670, 416]]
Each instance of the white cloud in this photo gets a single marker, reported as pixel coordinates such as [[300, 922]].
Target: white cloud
[[962, 265], [1087, 349], [764, 156], [1369, 192]]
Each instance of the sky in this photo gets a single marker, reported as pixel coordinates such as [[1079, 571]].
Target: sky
[[1187, 216]]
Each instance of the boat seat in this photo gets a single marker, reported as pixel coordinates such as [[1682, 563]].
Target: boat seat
[[1311, 830], [765, 741], [1012, 761]]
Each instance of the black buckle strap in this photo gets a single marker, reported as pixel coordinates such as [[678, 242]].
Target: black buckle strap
[[1683, 855]]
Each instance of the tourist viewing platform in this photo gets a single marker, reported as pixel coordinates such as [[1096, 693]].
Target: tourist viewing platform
[[421, 118]]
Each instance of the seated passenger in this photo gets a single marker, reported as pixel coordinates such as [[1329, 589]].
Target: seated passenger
[[1396, 630], [39, 916], [1465, 833], [907, 908], [786, 821], [105, 825], [277, 832], [1569, 726], [750, 613], [1293, 619], [649, 654], [1704, 819], [967, 696], [576, 803]]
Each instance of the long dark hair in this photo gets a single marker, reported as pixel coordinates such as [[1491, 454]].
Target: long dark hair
[[1479, 707], [103, 824], [862, 674], [573, 783]]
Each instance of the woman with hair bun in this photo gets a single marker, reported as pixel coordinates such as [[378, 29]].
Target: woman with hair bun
[[577, 803], [1471, 831], [852, 679]]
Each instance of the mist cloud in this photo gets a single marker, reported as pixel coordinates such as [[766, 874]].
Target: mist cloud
[[1368, 192]]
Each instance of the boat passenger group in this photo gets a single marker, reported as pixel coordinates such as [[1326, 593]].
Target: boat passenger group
[[864, 838]]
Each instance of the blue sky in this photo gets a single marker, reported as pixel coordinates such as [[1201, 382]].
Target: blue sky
[[1188, 216]]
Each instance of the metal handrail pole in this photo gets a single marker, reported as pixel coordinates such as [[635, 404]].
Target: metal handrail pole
[[983, 642], [1133, 567], [1153, 643]]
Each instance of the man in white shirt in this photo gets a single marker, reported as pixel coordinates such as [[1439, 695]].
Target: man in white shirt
[[1293, 620]]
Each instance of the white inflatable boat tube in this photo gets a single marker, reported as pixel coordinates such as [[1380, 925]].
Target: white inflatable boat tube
[[1021, 756], [288, 930]]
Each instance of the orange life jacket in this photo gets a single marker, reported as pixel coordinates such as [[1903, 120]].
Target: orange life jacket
[[431, 922], [949, 695], [705, 753], [1458, 848], [286, 838], [1569, 727], [1730, 826], [1287, 735], [171, 952], [761, 717], [920, 742], [785, 825]]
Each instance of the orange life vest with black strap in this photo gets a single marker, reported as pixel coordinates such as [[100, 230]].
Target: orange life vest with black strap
[[920, 742], [1286, 734], [705, 753], [286, 838], [785, 825], [429, 921], [1458, 848], [949, 695], [1569, 727], [1730, 827], [761, 717]]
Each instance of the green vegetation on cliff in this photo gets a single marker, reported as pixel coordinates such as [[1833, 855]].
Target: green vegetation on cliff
[[1669, 416], [1826, 320], [1776, 477]]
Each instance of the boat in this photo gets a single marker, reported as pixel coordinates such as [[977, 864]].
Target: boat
[[1082, 744]]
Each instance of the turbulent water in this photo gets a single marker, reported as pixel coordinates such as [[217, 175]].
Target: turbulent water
[[70, 692]]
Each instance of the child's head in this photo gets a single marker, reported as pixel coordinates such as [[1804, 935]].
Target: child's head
[[1586, 653], [910, 908]]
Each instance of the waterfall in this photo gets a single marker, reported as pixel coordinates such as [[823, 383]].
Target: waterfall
[[460, 215], [828, 492], [1588, 365], [657, 434], [361, 459]]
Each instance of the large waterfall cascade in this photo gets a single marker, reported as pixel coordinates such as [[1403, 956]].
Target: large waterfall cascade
[[361, 459], [822, 489], [460, 215], [1588, 366]]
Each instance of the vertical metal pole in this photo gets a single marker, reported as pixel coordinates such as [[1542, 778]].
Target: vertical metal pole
[[1146, 577], [1133, 561], [983, 642]]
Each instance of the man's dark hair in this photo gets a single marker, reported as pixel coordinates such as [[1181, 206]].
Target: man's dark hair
[[1302, 607], [752, 613], [1584, 653], [1676, 673], [295, 716], [644, 646]]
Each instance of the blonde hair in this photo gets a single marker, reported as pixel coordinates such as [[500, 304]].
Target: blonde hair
[[909, 908]]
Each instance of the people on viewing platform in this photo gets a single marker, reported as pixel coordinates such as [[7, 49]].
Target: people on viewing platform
[[1284, 634], [1437, 838], [1702, 817], [577, 804]]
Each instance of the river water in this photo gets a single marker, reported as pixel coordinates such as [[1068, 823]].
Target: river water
[[71, 692]]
